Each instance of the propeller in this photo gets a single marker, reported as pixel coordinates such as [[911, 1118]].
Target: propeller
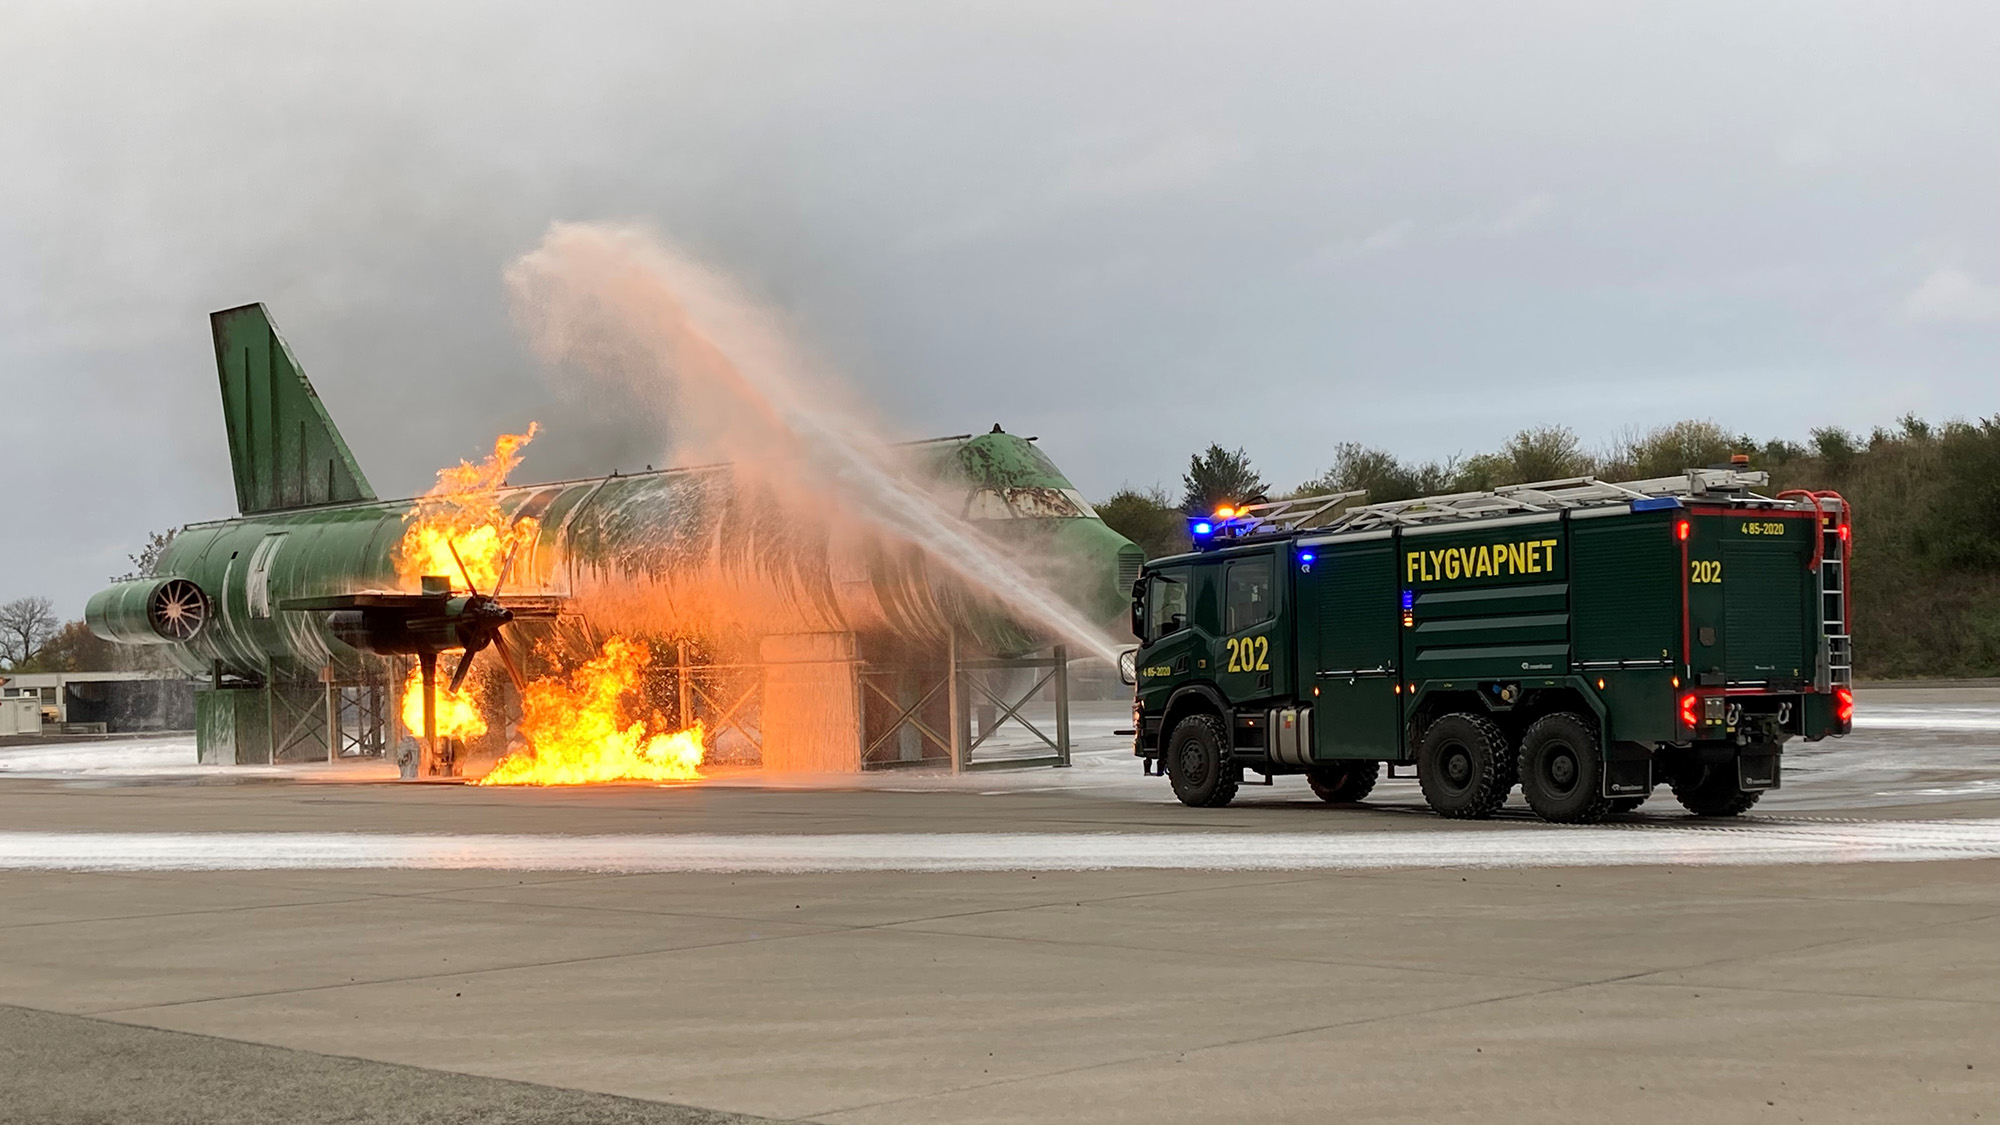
[[482, 621], [431, 622]]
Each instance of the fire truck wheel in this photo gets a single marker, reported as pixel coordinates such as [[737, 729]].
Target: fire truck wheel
[[1342, 783], [1200, 766], [1460, 766], [1562, 770], [1710, 790]]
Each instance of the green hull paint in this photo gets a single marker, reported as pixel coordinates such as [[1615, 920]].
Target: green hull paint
[[311, 527]]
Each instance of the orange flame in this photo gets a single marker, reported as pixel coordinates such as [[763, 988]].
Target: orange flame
[[461, 511], [458, 714], [577, 733]]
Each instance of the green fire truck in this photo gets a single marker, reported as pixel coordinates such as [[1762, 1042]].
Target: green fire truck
[[1584, 640]]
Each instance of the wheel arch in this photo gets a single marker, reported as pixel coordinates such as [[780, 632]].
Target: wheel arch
[[1191, 699], [1434, 701]]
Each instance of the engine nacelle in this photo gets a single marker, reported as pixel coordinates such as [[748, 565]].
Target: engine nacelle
[[149, 611]]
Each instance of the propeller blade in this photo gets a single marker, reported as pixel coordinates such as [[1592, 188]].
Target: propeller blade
[[462, 572], [506, 654], [506, 568], [458, 675]]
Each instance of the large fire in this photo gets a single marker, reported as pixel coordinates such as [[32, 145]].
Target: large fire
[[461, 511], [458, 714], [577, 733]]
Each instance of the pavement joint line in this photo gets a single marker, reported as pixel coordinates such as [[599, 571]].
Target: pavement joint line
[[1379, 965], [381, 1062], [1706, 986], [1898, 934], [1557, 988], [10, 926], [814, 930], [1526, 877], [864, 927], [913, 925], [818, 931], [364, 896], [1261, 957], [1639, 976], [1151, 1056]]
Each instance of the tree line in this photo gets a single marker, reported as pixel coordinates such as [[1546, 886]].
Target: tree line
[[1926, 575], [1926, 497], [34, 639]]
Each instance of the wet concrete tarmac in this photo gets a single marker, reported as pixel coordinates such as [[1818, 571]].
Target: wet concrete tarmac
[[1360, 969]]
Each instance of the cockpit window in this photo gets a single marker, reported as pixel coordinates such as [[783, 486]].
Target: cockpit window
[[1027, 504]]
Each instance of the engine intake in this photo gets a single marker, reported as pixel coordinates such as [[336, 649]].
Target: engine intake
[[149, 611]]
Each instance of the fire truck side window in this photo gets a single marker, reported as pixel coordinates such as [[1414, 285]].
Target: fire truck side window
[[1166, 606], [1249, 600]]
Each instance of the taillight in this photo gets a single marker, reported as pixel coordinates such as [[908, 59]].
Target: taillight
[[1843, 705], [1681, 531], [1688, 703]]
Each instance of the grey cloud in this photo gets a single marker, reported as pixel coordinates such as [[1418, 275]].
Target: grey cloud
[[1953, 296], [1131, 229]]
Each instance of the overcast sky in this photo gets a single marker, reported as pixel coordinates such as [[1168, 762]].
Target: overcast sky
[[1130, 229]]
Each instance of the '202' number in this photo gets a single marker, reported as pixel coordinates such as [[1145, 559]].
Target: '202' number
[[1249, 654], [1706, 570]]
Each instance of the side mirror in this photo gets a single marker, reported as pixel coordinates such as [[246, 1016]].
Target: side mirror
[[1128, 666]]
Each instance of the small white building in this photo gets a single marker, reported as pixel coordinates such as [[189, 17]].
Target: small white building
[[20, 715], [59, 696]]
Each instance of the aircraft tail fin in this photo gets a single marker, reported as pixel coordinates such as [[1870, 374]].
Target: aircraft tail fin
[[283, 447]]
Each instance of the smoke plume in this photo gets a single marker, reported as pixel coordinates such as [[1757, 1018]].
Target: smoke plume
[[613, 303]]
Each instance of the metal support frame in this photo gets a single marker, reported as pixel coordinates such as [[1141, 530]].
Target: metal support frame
[[961, 686], [305, 721], [332, 706], [295, 716], [1057, 665], [961, 751], [912, 717], [723, 713]]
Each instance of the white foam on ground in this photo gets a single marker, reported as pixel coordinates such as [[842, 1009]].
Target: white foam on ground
[[164, 756], [1926, 717], [117, 758], [1742, 844]]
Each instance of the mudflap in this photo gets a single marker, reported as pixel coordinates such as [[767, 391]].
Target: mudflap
[[1628, 770], [1757, 771]]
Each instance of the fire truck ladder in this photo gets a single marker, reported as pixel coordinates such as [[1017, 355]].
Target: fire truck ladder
[[1330, 512], [1836, 650], [1726, 485], [1839, 646]]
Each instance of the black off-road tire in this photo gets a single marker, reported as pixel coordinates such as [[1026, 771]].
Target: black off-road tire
[[1562, 770], [1343, 783], [1200, 765], [1710, 790], [1462, 767]]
